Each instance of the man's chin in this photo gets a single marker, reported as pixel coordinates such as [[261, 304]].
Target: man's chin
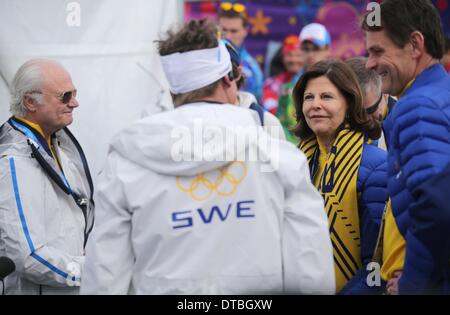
[[387, 88], [67, 122]]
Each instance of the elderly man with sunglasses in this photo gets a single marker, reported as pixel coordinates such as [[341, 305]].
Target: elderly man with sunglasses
[[46, 204], [376, 103]]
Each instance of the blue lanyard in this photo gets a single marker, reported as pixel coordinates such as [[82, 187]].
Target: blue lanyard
[[29, 134]]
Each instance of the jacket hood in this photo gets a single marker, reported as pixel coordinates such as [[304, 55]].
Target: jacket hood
[[188, 140], [246, 99]]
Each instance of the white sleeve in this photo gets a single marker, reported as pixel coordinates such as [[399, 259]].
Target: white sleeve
[[23, 228], [109, 255], [307, 250]]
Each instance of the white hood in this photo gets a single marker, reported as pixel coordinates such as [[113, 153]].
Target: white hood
[[154, 138], [246, 99], [271, 123]]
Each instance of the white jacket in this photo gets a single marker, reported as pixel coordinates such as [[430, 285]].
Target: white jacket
[[168, 227], [272, 124], [42, 229]]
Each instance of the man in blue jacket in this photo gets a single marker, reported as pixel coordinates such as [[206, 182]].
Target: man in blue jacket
[[405, 50], [233, 22]]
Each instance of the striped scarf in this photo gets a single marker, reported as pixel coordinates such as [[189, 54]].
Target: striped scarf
[[337, 186]]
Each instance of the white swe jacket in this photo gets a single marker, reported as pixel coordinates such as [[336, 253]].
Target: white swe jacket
[[196, 227]]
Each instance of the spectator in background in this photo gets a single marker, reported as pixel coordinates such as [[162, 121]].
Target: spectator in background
[[374, 101], [293, 64], [276, 65], [315, 45], [268, 121], [233, 23]]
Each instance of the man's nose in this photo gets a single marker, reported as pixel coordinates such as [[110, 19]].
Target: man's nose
[[73, 102], [371, 63]]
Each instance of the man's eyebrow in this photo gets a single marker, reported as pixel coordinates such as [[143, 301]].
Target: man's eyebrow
[[376, 47], [228, 29]]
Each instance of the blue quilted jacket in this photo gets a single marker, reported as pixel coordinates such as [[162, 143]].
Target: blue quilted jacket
[[418, 136], [372, 191]]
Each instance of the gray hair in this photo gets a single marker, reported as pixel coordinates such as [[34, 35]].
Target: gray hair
[[28, 80], [367, 78]]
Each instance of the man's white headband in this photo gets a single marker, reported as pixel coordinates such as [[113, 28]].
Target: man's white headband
[[195, 69]]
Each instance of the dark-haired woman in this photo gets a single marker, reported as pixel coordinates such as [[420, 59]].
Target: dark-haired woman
[[350, 174]]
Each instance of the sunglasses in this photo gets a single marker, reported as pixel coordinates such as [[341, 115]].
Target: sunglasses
[[373, 108], [236, 7], [64, 97]]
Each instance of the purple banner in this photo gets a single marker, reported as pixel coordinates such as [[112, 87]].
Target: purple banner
[[272, 20]]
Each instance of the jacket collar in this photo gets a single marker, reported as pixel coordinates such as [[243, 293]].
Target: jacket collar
[[35, 126], [34, 130], [428, 76]]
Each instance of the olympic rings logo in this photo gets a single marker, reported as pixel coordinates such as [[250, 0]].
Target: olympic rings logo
[[226, 182]]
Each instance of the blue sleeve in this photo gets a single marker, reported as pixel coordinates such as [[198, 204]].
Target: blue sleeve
[[254, 76], [430, 200], [422, 137], [372, 185]]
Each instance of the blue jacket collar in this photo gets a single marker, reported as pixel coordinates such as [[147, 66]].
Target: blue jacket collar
[[428, 76]]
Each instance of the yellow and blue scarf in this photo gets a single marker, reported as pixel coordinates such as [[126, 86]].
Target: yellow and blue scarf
[[337, 185]]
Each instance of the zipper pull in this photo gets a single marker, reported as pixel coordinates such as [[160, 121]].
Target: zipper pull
[[82, 201]]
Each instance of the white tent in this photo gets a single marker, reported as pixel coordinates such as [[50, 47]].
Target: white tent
[[108, 48]]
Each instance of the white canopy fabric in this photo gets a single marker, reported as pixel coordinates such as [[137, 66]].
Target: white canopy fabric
[[108, 48]]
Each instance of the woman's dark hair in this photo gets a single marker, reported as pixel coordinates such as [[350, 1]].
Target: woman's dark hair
[[342, 76]]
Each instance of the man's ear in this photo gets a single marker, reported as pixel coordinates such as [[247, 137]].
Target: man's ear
[[30, 103], [227, 80], [417, 42]]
